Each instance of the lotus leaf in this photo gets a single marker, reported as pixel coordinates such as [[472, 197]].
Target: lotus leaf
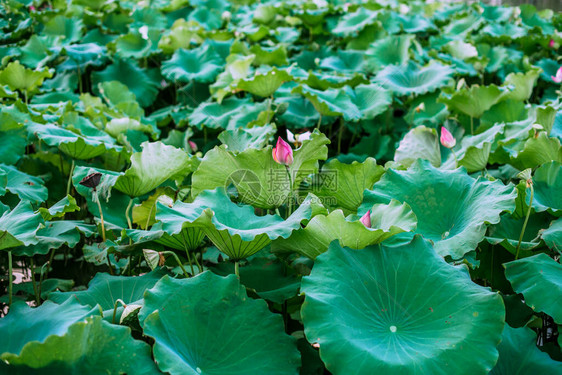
[[104, 345], [535, 277], [453, 209], [197, 345], [400, 327], [412, 79], [387, 220]]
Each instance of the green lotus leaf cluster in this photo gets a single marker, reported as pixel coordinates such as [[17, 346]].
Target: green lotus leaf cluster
[[280, 187]]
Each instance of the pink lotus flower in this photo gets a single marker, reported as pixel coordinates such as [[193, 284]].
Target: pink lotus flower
[[447, 138], [366, 219], [283, 153], [551, 43], [193, 146], [558, 77]]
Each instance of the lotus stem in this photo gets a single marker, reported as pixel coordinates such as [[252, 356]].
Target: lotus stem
[[179, 263], [319, 122], [69, 183], [80, 89], [525, 222], [10, 272], [115, 308], [269, 117], [340, 134], [471, 125], [456, 160], [43, 266], [35, 290], [149, 215], [199, 266], [127, 210], [97, 198], [290, 201], [189, 260], [237, 269]]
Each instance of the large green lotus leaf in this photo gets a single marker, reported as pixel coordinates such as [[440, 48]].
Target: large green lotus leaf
[[216, 115], [18, 77], [235, 229], [553, 235], [537, 277], [200, 65], [387, 220], [182, 316], [452, 208], [25, 325], [69, 29], [473, 101], [519, 354], [547, 183], [353, 23], [55, 234], [19, 226], [71, 143], [391, 50], [536, 151], [522, 83], [260, 181], [86, 347], [331, 102], [26, 187], [341, 185], [410, 78], [151, 167], [371, 100], [241, 139], [412, 312], [419, 143], [473, 151], [143, 83], [104, 290], [507, 232], [265, 84]]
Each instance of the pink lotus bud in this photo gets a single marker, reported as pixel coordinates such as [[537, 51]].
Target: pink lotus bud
[[447, 138], [282, 152], [558, 77], [551, 43], [366, 219], [193, 146], [32, 8]]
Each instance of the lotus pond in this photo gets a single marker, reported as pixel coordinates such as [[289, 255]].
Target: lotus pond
[[280, 187]]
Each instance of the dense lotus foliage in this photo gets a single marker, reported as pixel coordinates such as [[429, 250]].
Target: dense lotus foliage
[[280, 187]]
